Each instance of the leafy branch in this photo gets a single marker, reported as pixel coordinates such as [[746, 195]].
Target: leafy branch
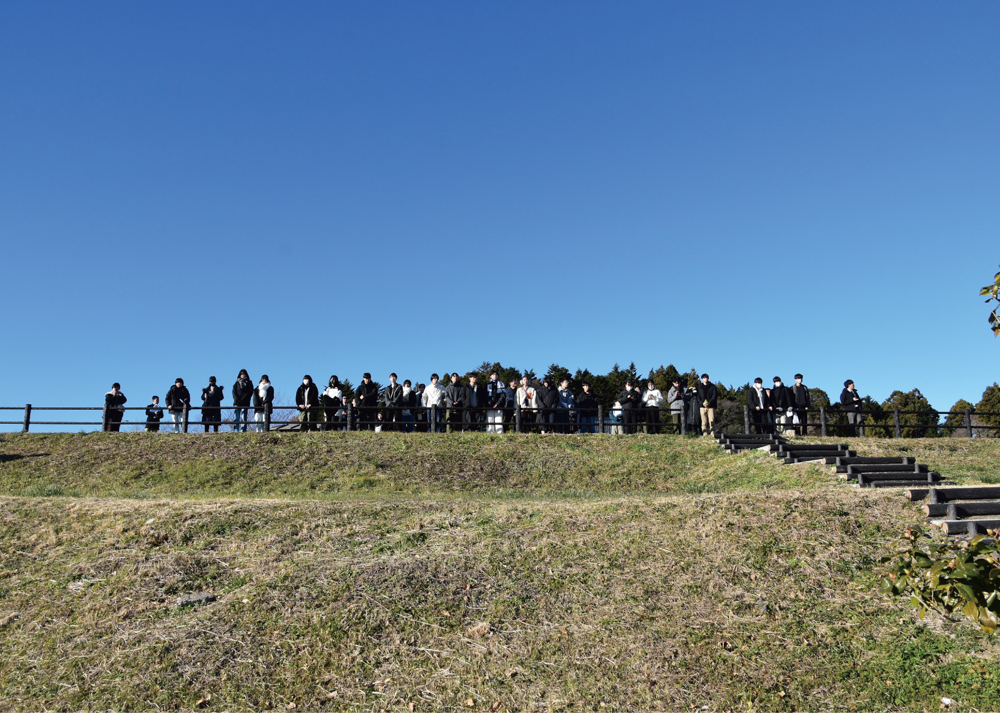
[[992, 293], [947, 577]]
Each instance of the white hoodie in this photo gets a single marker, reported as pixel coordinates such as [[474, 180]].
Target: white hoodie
[[653, 398], [433, 395]]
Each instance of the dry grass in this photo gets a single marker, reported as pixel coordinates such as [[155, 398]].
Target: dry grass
[[724, 601]]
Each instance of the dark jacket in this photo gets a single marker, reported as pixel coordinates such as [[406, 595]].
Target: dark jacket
[[496, 395], [307, 394], [114, 400], [411, 400], [510, 398], [456, 395], [266, 404], [848, 402], [800, 396], [587, 403], [754, 402], [154, 414], [211, 396], [548, 397], [629, 398], [177, 398], [392, 396], [370, 393], [781, 398], [480, 393], [242, 393], [707, 392]]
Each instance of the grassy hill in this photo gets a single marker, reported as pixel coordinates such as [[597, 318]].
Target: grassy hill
[[362, 571]]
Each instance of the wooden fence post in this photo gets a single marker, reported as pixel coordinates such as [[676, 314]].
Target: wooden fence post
[[600, 418], [822, 421], [185, 418], [895, 421], [968, 423], [27, 418], [746, 419]]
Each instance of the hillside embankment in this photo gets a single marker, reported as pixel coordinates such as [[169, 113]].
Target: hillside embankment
[[376, 571]]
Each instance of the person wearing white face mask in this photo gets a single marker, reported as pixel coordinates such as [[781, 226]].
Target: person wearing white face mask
[[800, 400], [759, 403], [781, 402], [306, 400], [433, 397]]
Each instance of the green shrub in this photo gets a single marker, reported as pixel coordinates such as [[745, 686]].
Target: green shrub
[[990, 403], [947, 576]]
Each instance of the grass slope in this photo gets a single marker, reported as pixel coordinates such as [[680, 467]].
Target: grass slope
[[651, 603]]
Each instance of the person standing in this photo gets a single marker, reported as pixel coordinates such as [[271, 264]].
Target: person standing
[[367, 396], [630, 400], [527, 401], [333, 404], [675, 402], [781, 405], [420, 415], [154, 414], [178, 402], [708, 400], [586, 404], [566, 408], [455, 398], [548, 395], [759, 403], [652, 400], [409, 407], [211, 402], [433, 401], [476, 395], [307, 400], [496, 399], [800, 402], [242, 395], [510, 406], [263, 402], [392, 397], [113, 402], [851, 402]]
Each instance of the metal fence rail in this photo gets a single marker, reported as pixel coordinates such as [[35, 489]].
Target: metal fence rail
[[446, 419]]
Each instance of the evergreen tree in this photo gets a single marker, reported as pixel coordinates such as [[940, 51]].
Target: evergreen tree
[[956, 419], [914, 424], [990, 404]]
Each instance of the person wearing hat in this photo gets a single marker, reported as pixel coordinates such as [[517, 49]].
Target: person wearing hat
[[211, 400], [800, 403], [178, 399], [759, 403], [367, 396], [307, 401], [851, 402]]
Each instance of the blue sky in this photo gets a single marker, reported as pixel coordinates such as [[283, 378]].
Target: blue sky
[[750, 189]]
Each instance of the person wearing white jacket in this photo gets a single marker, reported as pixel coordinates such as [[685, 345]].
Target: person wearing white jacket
[[652, 400], [433, 396], [527, 399]]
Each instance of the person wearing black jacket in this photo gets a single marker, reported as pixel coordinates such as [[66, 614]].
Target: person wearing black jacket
[[113, 401], [548, 402], [631, 401], [178, 401], [707, 397], [586, 404], [409, 402], [392, 397], [307, 401], [851, 402], [496, 399], [333, 401], [242, 394], [154, 414], [759, 403], [456, 398], [211, 401], [263, 402], [476, 400], [367, 396], [509, 406], [800, 402], [781, 405]]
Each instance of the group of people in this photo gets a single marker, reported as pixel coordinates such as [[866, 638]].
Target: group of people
[[492, 406]]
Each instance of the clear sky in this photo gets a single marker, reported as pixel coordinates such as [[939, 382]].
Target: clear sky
[[750, 189]]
